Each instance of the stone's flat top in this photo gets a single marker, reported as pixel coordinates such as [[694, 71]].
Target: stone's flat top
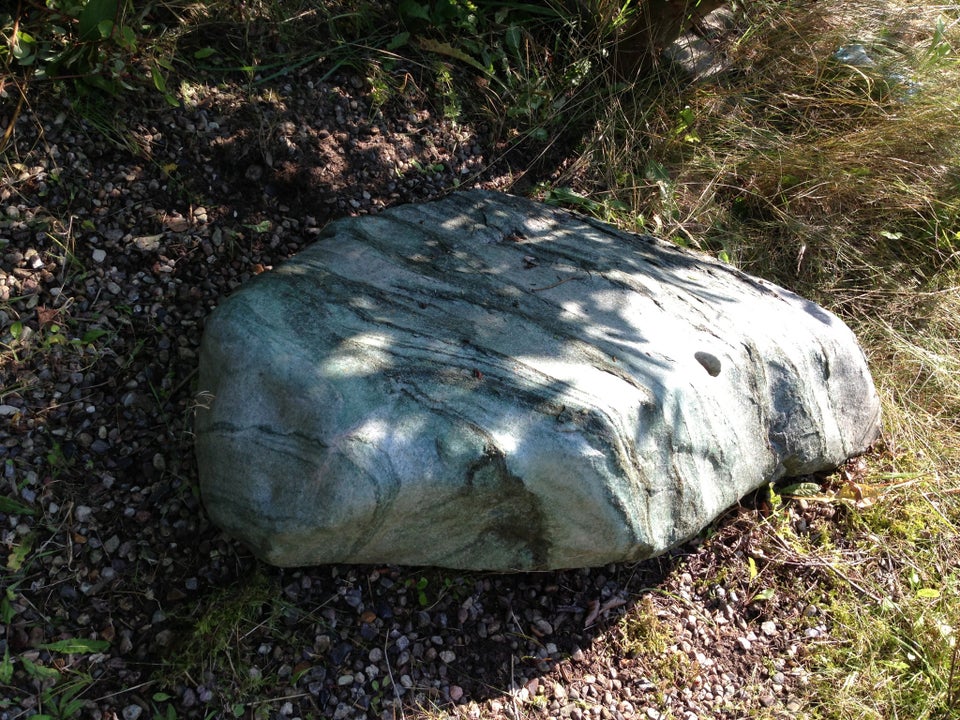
[[488, 382]]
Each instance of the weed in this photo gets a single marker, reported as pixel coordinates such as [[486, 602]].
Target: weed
[[214, 641], [92, 46], [60, 687], [432, 587], [644, 636]]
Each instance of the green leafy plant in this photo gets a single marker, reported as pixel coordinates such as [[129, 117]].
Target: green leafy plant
[[93, 47]]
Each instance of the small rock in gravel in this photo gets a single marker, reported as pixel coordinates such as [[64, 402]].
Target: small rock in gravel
[[744, 643], [112, 544], [455, 692], [82, 513], [132, 712], [340, 653], [543, 627], [99, 255], [448, 656], [147, 243], [769, 628]]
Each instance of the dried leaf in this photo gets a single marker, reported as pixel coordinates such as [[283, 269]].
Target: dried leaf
[[612, 603], [862, 496], [46, 316], [594, 606]]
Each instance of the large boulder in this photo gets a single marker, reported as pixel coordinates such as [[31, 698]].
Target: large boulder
[[487, 382]]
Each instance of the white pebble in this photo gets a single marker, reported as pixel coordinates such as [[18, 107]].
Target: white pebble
[[82, 513], [99, 255]]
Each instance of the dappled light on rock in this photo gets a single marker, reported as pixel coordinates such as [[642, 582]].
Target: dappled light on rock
[[487, 382]]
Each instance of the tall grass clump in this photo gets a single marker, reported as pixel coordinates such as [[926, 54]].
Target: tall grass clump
[[825, 157]]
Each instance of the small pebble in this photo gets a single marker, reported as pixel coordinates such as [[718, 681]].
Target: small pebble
[[132, 712], [99, 255], [543, 626]]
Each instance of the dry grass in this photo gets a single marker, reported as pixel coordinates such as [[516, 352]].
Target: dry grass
[[838, 180]]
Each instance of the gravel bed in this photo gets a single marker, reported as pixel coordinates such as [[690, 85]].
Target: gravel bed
[[110, 259]]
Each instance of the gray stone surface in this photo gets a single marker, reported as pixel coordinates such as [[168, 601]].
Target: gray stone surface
[[487, 382]]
